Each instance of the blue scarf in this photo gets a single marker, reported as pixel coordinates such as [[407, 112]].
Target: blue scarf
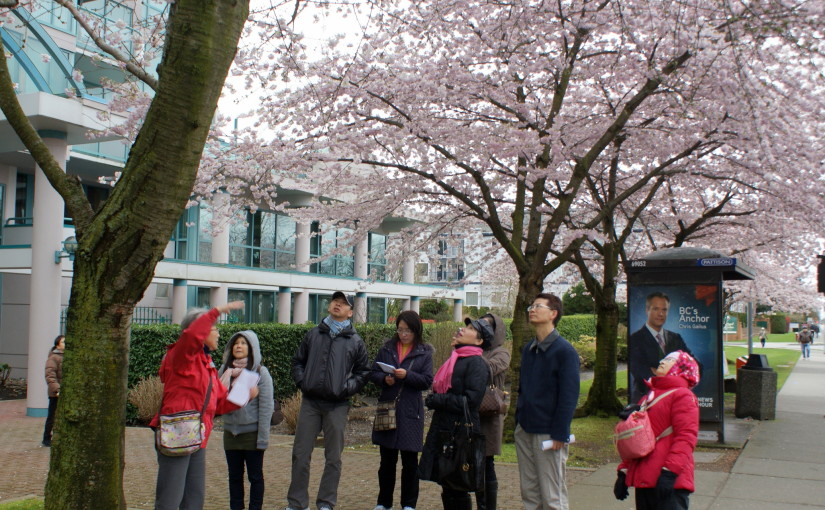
[[335, 327]]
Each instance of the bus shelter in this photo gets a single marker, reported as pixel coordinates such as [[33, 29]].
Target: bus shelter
[[675, 302]]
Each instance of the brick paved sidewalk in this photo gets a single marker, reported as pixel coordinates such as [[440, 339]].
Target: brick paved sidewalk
[[25, 465]]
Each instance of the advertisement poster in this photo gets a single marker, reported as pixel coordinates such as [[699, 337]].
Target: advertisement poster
[[686, 317]]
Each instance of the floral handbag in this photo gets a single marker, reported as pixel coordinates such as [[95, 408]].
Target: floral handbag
[[181, 434]]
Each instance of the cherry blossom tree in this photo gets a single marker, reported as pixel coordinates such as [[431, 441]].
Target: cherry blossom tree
[[512, 115], [121, 242]]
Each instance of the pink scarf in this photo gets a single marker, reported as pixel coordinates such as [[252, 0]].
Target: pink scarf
[[231, 373], [444, 377]]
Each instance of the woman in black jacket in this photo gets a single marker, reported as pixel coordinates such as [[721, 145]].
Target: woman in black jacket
[[413, 374], [463, 377]]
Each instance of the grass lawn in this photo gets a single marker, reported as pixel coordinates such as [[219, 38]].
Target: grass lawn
[[594, 436], [24, 504]]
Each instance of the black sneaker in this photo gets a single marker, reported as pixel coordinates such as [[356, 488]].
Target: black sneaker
[[46, 444]]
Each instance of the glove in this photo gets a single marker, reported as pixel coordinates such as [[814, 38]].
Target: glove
[[627, 411], [620, 487], [428, 400], [664, 486]]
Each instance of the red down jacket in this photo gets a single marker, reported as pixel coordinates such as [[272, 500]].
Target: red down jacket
[[680, 409], [185, 372]]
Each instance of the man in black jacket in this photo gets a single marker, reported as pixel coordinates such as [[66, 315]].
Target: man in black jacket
[[330, 366]]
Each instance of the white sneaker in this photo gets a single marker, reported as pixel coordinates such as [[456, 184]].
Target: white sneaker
[[381, 507], [408, 508]]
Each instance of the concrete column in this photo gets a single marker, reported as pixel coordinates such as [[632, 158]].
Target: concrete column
[[414, 304], [408, 270], [44, 315], [407, 305], [179, 304], [359, 314], [361, 258], [218, 295], [458, 310], [220, 240], [302, 232], [301, 313], [284, 304]]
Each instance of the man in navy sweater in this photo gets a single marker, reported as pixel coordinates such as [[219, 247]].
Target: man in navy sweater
[[548, 394]]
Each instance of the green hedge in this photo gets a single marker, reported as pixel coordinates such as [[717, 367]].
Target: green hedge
[[280, 341]]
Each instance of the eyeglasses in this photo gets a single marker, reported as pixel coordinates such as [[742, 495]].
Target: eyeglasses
[[538, 306], [402, 331]]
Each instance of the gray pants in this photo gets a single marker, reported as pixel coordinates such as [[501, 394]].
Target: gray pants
[[317, 415], [542, 473], [181, 482]]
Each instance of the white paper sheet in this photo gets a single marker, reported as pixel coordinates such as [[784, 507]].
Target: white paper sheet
[[239, 394], [386, 368]]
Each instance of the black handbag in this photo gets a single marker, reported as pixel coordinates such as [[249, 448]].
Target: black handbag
[[461, 459]]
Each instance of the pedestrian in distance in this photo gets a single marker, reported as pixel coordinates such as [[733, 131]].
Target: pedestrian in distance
[[458, 384], [246, 431], [763, 337], [805, 339], [330, 366], [54, 375], [190, 380], [664, 478], [492, 426], [413, 374], [548, 392]]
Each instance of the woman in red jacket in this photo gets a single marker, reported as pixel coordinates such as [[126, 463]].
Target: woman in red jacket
[[185, 371], [664, 478]]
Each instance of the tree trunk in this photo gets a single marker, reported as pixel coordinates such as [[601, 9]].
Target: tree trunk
[[529, 287], [119, 249], [602, 400]]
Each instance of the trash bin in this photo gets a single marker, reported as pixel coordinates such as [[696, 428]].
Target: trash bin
[[755, 389]]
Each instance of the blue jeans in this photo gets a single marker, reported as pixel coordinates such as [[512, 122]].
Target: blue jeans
[[806, 350]]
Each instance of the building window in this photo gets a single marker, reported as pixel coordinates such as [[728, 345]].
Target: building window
[[340, 264], [203, 297], [318, 305], [110, 13], [162, 290], [53, 15], [267, 240], [377, 256], [261, 306], [377, 310], [472, 299]]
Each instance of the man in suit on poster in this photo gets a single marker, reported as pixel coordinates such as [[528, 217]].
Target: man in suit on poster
[[651, 343]]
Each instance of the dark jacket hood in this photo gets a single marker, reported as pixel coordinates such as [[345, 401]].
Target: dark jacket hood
[[500, 332]]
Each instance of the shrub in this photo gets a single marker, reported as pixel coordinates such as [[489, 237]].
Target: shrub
[[291, 407], [5, 372], [586, 347], [779, 324], [146, 396]]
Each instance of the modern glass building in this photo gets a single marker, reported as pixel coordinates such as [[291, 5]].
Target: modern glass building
[[261, 258]]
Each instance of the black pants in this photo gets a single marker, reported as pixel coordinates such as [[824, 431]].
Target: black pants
[[47, 430], [646, 500], [254, 460], [409, 477]]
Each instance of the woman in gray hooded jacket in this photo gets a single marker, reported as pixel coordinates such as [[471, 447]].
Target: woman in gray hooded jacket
[[246, 431]]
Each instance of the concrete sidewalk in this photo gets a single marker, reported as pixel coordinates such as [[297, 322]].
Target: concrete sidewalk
[[782, 465]]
